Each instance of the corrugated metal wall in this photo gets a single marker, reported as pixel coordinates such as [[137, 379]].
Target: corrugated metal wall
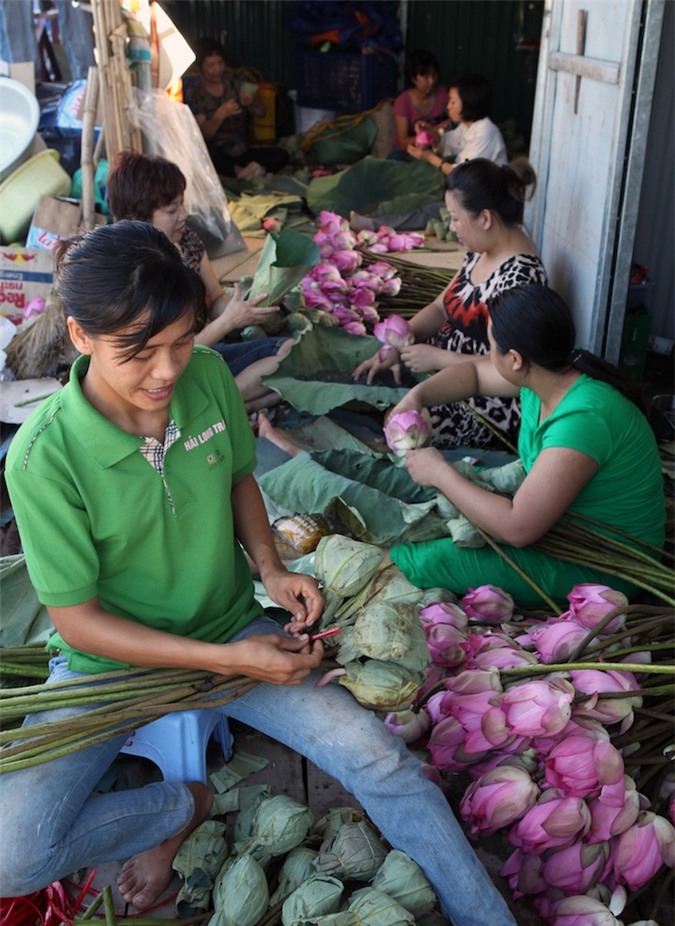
[[480, 36]]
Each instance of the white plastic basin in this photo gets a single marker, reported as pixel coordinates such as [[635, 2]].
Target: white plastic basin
[[19, 117]]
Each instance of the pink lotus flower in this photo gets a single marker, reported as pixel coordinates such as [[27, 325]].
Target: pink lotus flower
[[555, 640], [496, 650], [394, 332], [555, 820], [583, 911], [361, 296], [443, 642], [614, 810], [447, 748], [443, 612], [367, 279], [355, 328], [482, 719], [488, 604], [582, 725], [409, 725], [607, 710], [366, 238], [539, 707], [498, 798], [642, 849], [347, 260], [524, 873], [406, 431], [475, 681], [325, 270], [391, 287], [271, 225], [424, 139], [383, 270], [581, 765], [367, 313], [576, 868], [590, 603], [331, 223], [438, 706]]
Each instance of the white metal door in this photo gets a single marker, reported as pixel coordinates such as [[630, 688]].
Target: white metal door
[[594, 88]]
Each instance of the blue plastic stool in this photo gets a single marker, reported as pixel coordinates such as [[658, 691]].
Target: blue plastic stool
[[177, 743]]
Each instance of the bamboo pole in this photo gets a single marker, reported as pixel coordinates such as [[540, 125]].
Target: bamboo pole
[[87, 157]]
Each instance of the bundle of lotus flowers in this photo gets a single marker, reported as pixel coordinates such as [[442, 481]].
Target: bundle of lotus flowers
[[120, 702], [564, 728], [419, 285]]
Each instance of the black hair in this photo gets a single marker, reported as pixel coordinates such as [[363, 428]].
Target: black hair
[[537, 322], [206, 48], [482, 184], [126, 277], [475, 93], [420, 62], [139, 184]]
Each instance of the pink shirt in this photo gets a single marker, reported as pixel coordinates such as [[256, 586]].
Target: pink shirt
[[404, 106]]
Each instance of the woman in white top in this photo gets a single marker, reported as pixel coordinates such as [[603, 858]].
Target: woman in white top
[[475, 135]]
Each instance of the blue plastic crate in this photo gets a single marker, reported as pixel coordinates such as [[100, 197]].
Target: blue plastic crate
[[343, 81]]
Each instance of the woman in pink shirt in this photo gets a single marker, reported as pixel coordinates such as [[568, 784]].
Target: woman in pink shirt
[[423, 102]]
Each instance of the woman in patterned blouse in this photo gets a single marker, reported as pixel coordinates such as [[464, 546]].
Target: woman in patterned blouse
[[486, 205]]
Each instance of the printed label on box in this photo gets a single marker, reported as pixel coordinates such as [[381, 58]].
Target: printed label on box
[[24, 274]]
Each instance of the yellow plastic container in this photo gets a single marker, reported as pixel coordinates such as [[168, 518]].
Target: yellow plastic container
[[265, 126], [41, 175]]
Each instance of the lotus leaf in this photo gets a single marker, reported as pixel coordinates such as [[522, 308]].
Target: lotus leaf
[[345, 918], [297, 867], [249, 798], [418, 658], [402, 878], [344, 565], [286, 258], [355, 853], [463, 533], [377, 909], [240, 895], [388, 584], [381, 686], [317, 896]]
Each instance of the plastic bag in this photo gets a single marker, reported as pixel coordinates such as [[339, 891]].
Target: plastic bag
[[171, 131]]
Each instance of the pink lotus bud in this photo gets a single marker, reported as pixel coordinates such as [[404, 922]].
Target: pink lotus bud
[[576, 868], [438, 706], [524, 873], [346, 261], [583, 911], [642, 849], [606, 710], [475, 681], [331, 223], [557, 639], [482, 719], [271, 225], [581, 765], [392, 287], [444, 612], [504, 656], [406, 431], [383, 270], [443, 642], [498, 799], [538, 707], [590, 603], [488, 604], [424, 139], [446, 747], [368, 279], [367, 313], [378, 248], [409, 725], [553, 821], [576, 724], [366, 238], [394, 331], [326, 270], [614, 809], [361, 296], [345, 240], [355, 328]]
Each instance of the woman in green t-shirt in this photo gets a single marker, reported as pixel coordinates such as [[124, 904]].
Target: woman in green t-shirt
[[584, 441]]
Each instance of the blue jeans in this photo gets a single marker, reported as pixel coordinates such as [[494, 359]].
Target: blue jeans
[[52, 824], [242, 354]]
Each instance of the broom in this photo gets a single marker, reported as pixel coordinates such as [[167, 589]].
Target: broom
[[45, 347]]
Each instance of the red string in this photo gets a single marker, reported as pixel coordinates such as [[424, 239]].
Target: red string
[[49, 907]]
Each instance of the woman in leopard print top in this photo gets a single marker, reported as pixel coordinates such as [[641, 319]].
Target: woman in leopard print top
[[486, 204]]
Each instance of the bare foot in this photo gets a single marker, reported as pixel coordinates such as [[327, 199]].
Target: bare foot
[[267, 430], [144, 876]]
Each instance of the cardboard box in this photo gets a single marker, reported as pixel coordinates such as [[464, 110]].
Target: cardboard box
[[24, 274]]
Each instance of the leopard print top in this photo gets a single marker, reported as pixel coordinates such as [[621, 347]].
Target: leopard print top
[[465, 331]]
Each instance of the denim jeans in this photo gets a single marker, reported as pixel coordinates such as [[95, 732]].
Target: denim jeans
[[52, 824]]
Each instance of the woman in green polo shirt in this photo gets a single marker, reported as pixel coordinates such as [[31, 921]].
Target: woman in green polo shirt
[[585, 445], [134, 495]]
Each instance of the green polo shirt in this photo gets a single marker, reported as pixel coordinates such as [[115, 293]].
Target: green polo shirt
[[98, 520]]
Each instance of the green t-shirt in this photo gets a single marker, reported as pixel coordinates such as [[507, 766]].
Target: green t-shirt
[[594, 418], [97, 519]]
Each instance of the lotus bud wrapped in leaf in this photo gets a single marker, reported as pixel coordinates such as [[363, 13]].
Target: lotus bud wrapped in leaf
[[279, 825], [204, 850], [382, 631], [355, 853], [240, 895], [381, 686], [330, 825], [403, 879], [297, 867], [318, 896], [344, 565], [377, 909]]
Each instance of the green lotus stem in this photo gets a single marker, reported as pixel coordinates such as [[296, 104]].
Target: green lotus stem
[[13, 668], [92, 908], [647, 648], [542, 594], [600, 626], [649, 546], [570, 666], [109, 907], [656, 715]]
